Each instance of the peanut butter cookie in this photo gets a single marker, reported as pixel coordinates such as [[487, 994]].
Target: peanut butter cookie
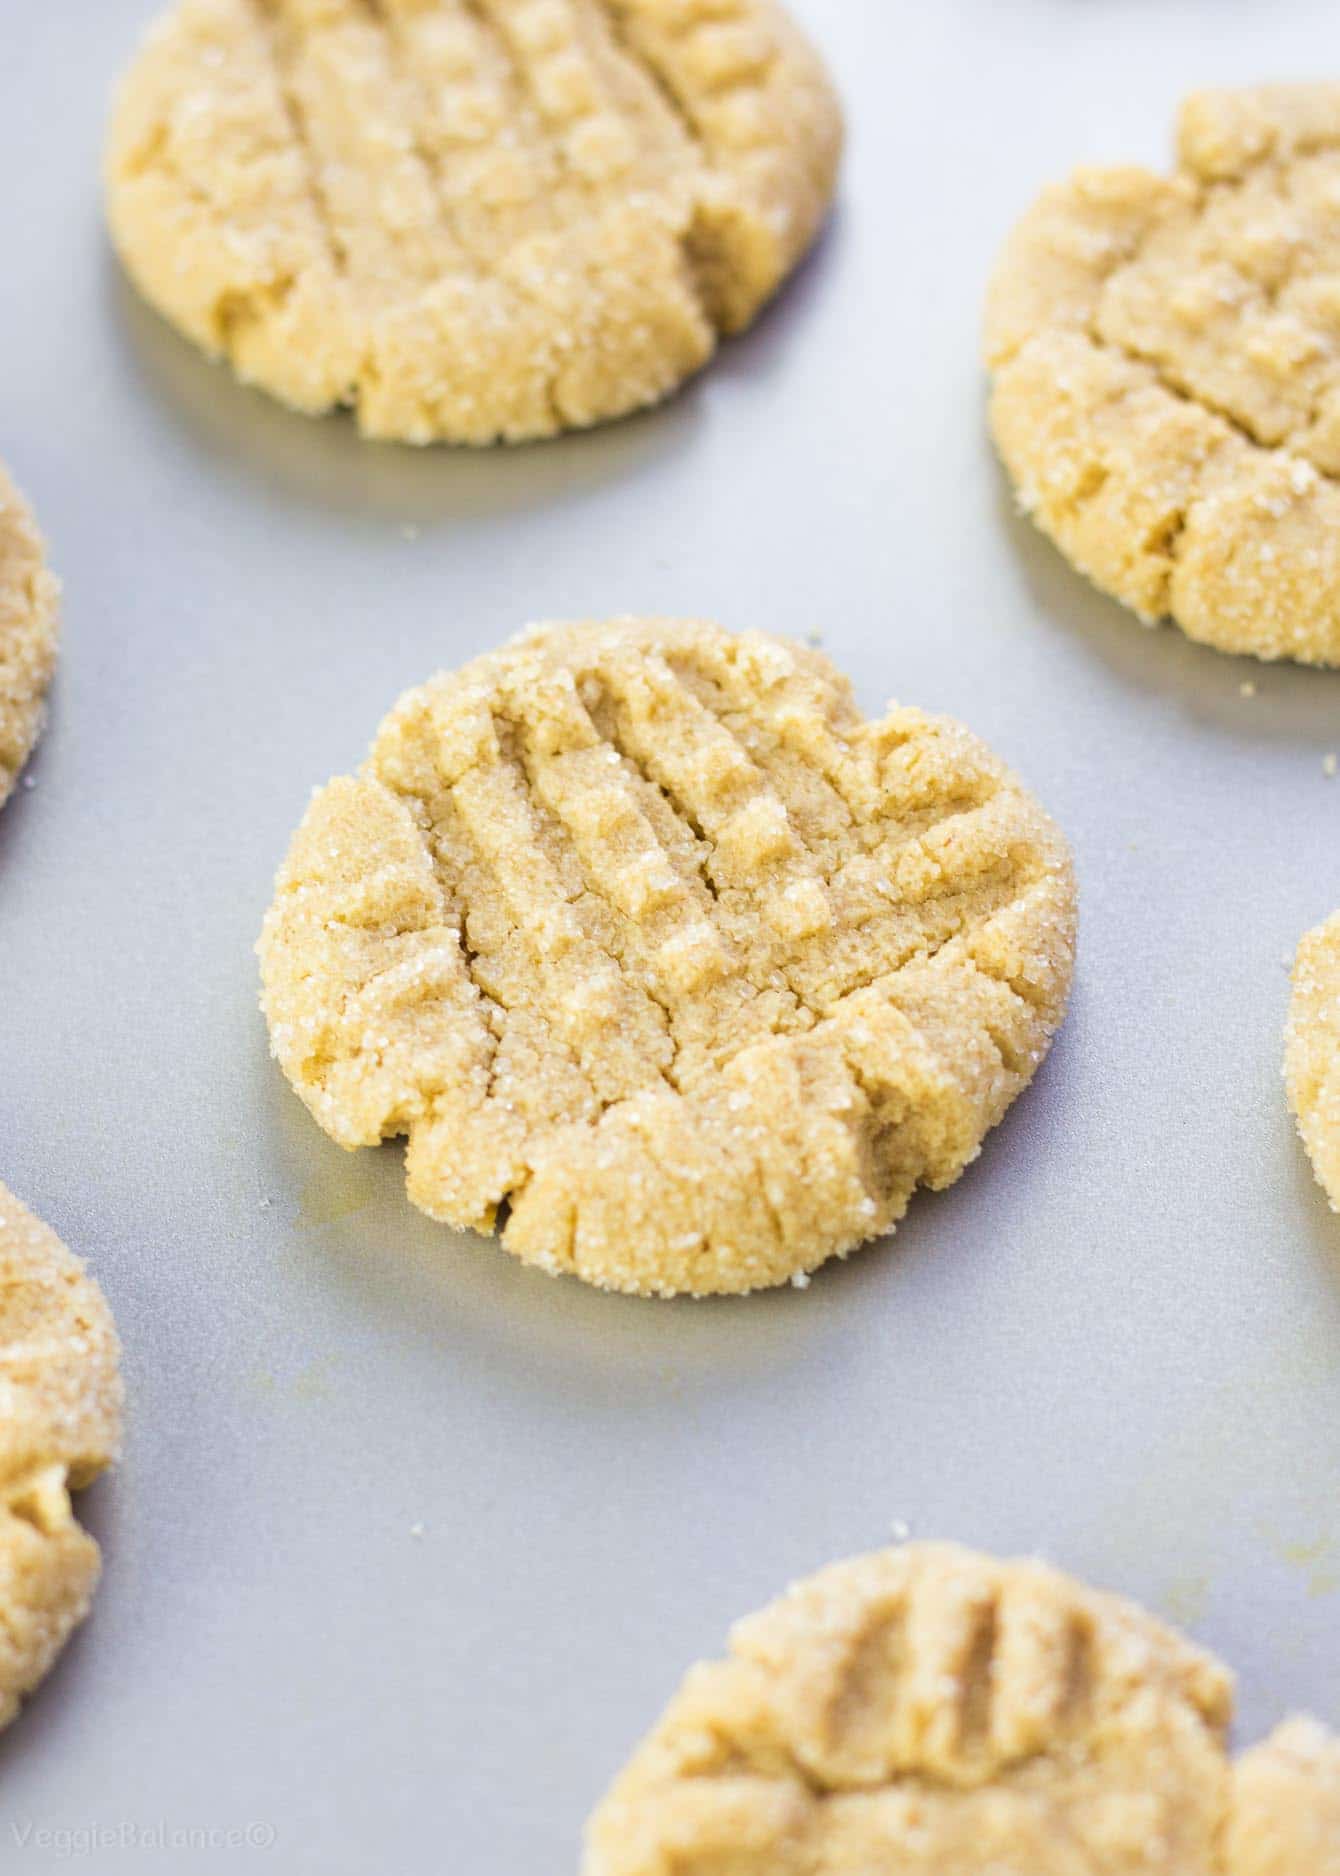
[[930, 1712], [60, 1426], [668, 962], [469, 221], [1166, 361], [1312, 1052], [28, 629]]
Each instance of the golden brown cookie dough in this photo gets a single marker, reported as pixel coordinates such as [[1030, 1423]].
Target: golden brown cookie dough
[[1166, 363], [469, 219], [1312, 1052], [666, 960], [931, 1712], [29, 598], [60, 1426]]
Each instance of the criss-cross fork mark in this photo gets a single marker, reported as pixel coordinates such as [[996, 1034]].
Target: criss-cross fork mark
[[1167, 359], [645, 895], [469, 219], [938, 1707], [542, 93], [656, 880], [1223, 283], [934, 1697], [948, 1680], [1252, 341], [453, 147]]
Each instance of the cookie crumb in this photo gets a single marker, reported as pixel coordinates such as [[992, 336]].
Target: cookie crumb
[[1247, 690], [1330, 763]]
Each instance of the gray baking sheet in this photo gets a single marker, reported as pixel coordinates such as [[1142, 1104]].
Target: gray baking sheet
[[410, 1545]]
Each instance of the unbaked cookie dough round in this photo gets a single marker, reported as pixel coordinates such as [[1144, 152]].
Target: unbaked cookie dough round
[[669, 963], [1165, 353], [1312, 1052], [469, 221], [29, 621], [932, 1712], [60, 1426]]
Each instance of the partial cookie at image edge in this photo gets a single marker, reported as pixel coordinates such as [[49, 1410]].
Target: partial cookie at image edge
[[467, 224], [933, 1709], [60, 1427], [1165, 394], [1312, 1052], [29, 629]]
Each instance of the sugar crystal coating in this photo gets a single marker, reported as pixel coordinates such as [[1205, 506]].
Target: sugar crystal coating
[[60, 1425], [1312, 1052], [928, 1711], [642, 934], [29, 598], [1165, 355], [469, 219]]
